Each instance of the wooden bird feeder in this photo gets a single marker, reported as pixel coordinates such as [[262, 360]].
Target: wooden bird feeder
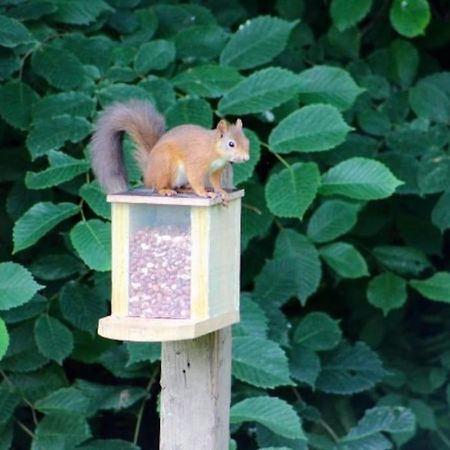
[[175, 266]]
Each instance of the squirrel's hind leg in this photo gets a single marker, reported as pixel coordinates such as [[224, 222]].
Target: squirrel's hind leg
[[161, 170]]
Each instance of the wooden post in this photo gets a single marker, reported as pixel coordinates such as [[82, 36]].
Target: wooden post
[[196, 391]]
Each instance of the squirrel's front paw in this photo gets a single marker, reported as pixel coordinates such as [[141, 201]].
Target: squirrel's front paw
[[167, 192], [224, 196]]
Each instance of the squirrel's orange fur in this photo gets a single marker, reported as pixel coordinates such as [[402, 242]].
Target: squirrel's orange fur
[[187, 154]]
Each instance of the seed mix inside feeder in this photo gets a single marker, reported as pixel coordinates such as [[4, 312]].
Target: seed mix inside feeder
[[175, 268], [160, 273]]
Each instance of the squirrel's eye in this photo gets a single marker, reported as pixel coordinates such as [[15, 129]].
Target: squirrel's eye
[[231, 144]]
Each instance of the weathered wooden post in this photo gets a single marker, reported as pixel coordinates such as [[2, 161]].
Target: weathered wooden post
[[175, 279]]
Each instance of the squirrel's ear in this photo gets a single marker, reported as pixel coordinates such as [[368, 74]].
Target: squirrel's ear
[[222, 126], [239, 124]]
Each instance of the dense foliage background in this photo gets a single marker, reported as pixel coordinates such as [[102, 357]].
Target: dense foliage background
[[344, 341]]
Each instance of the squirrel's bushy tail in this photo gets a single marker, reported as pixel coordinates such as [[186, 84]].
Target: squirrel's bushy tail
[[145, 126]]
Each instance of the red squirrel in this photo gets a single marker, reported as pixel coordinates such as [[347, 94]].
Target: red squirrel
[[169, 160]]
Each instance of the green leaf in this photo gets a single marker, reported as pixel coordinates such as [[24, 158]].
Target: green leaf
[[9, 63], [94, 52], [9, 400], [38, 221], [426, 380], [266, 438], [96, 199], [256, 42], [408, 138], [387, 291], [121, 93], [20, 198], [72, 103], [332, 219], [437, 287], [108, 444], [16, 102], [261, 91], [317, 331], [201, 42], [256, 218], [406, 60], [161, 90], [54, 340], [31, 309], [350, 369], [81, 12], [291, 191], [4, 338], [143, 352], [272, 412], [41, 382], [374, 121], [424, 414], [47, 135], [173, 18], [326, 84], [254, 321], [382, 419], [81, 307], [59, 67], [439, 79], [304, 364], [313, 128], [433, 173], [92, 241], [62, 168], [154, 55], [260, 362], [6, 436], [405, 167], [347, 13], [55, 266], [190, 110], [422, 99], [68, 400], [103, 397], [440, 215], [13, 33], [60, 431], [277, 281], [275, 448], [298, 260], [344, 44], [17, 286], [361, 179], [210, 81], [30, 11], [23, 354], [410, 17], [344, 259], [403, 260]]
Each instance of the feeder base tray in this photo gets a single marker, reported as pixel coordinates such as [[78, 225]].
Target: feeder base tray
[[158, 330]]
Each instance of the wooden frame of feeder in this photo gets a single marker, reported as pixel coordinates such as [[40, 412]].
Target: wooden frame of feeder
[[215, 267]]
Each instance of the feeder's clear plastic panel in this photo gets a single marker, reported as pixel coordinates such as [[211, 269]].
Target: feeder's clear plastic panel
[[159, 262]]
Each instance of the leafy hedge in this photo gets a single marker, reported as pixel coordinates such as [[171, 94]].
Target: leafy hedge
[[344, 340]]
